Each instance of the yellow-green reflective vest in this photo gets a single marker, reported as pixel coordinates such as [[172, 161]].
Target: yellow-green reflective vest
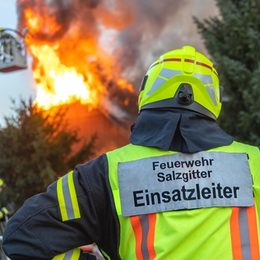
[[204, 233]]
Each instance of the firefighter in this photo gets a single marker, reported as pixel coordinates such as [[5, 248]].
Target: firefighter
[[182, 188]]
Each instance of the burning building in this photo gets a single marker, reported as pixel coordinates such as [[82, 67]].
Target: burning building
[[71, 67], [91, 52]]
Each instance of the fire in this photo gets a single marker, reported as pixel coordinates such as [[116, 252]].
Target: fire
[[69, 65], [58, 84], [36, 22]]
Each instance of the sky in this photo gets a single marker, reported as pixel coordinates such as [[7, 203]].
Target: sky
[[14, 85]]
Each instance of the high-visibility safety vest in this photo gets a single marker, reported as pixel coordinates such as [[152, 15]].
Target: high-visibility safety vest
[[187, 206]]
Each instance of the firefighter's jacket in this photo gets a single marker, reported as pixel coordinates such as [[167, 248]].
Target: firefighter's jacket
[[182, 189]]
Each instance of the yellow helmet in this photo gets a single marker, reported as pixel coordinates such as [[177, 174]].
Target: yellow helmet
[[182, 78]]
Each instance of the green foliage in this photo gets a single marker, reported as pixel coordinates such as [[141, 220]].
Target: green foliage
[[36, 148], [233, 41]]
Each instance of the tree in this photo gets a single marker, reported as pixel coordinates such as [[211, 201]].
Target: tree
[[35, 149], [233, 41]]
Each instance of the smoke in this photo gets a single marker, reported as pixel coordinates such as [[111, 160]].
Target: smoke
[[64, 13], [133, 31], [160, 26], [141, 38]]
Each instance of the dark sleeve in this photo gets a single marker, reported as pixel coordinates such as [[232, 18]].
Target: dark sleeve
[[41, 230]]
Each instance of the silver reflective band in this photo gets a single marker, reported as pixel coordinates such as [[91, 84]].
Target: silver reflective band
[[145, 231], [212, 95], [206, 79], [66, 193], [67, 197], [73, 254], [156, 85], [185, 181], [167, 73], [68, 255], [245, 239]]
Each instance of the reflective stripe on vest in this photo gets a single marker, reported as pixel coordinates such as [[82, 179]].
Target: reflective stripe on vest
[[144, 227], [67, 198], [73, 254], [244, 234]]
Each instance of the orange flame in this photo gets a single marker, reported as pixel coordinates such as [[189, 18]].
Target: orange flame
[[60, 84], [73, 68], [40, 22]]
